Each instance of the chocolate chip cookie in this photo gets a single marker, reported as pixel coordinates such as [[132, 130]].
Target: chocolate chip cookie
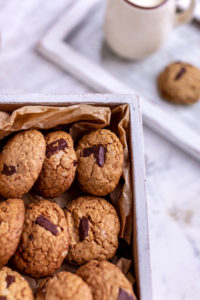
[[64, 286], [180, 83], [106, 281], [13, 286], [100, 162], [93, 228], [12, 213], [44, 242], [21, 162], [59, 166]]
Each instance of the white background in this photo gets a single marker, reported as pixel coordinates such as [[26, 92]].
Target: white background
[[172, 177]]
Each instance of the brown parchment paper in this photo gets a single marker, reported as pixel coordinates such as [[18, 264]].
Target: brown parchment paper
[[78, 120]]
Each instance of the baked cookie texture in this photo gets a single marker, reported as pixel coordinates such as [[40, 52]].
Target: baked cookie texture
[[59, 166], [106, 281], [64, 286], [100, 162], [44, 241], [13, 286], [180, 83], [93, 226], [21, 162], [12, 213]]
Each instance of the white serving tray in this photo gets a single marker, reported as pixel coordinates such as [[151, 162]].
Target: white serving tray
[[140, 227], [77, 38]]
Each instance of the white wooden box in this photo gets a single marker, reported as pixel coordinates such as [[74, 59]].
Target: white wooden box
[[141, 254]]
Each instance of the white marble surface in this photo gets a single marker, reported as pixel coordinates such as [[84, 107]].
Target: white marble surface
[[172, 177]]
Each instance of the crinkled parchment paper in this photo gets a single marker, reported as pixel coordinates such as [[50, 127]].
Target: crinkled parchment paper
[[78, 120]]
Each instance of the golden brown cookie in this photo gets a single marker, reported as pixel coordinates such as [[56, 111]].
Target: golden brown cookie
[[106, 281], [93, 226], [59, 167], [64, 286], [13, 286], [21, 162], [100, 162], [44, 242], [12, 213], [180, 83]]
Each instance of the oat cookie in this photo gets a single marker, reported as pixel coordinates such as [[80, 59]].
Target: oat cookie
[[44, 242], [12, 213], [106, 281], [59, 166], [93, 228], [100, 162], [13, 286], [180, 83], [21, 162], [64, 286]]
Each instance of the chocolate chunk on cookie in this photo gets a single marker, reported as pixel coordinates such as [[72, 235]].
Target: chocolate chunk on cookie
[[99, 154], [180, 83], [14, 286], [21, 162], [59, 167], [64, 286], [8, 170], [46, 224], [57, 145], [93, 227], [44, 242], [180, 73], [100, 162], [106, 281], [12, 214], [9, 280], [83, 228]]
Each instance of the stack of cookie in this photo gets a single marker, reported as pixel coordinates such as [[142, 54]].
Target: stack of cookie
[[35, 241]]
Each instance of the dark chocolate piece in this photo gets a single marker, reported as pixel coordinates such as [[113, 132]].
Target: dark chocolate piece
[[123, 295], [75, 163], [8, 170], [99, 153], [31, 237], [89, 151], [180, 73], [56, 146], [10, 279], [3, 298], [83, 228], [101, 156], [46, 224]]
